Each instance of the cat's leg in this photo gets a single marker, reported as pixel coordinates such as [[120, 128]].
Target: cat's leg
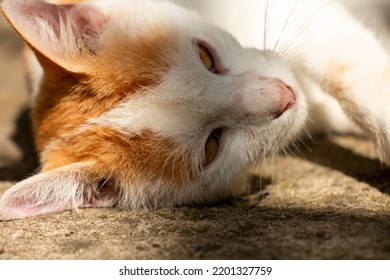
[[347, 62], [325, 113], [356, 72], [363, 90]]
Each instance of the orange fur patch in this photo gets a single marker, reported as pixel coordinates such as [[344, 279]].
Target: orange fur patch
[[333, 80], [334, 83], [118, 156], [67, 100], [121, 67]]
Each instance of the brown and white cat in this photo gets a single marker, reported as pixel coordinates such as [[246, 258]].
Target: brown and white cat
[[146, 104]]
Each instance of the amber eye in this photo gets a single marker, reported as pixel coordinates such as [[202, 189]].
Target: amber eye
[[212, 146], [206, 57]]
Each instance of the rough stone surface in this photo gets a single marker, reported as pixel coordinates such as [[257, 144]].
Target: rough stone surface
[[329, 201]]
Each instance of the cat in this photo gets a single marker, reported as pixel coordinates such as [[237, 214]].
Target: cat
[[148, 104]]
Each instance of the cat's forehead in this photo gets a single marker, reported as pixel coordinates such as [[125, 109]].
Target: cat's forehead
[[175, 31], [153, 19], [139, 46]]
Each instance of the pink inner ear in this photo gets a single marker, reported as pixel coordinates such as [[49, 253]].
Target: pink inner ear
[[84, 17], [89, 22], [50, 13], [86, 20]]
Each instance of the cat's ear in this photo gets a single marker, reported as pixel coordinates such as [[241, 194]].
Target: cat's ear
[[58, 34], [68, 187]]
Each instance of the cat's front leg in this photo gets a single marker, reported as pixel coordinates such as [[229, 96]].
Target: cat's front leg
[[363, 91], [349, 64]]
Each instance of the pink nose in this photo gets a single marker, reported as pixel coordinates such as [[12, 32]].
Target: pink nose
[[287, 99]]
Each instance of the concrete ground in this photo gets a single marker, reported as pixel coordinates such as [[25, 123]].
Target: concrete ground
[[330, 201]]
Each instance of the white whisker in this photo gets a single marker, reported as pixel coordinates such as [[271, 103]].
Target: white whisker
[[287, 22], [266, 24], [303, 27]]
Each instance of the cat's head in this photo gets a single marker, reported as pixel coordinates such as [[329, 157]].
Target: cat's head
[[143, 103]]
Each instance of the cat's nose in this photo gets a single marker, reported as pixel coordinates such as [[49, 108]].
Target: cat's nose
[[287, 99]]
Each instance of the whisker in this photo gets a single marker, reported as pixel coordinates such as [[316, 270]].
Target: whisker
[[266, 25], [300, 142], [303, 26], [307, 132], [296, 152], [261, 160], [301, 49], [161, 182], [288, 20], [271, 166], [299, 52]]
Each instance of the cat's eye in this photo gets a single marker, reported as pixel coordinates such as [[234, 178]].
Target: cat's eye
[[212, 146], [206, 57]]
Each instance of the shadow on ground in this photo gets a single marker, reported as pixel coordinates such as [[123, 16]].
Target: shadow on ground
[[220, 232], [22, 137], [350, 163]]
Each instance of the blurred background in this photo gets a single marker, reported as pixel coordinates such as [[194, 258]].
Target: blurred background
[[13, 103]]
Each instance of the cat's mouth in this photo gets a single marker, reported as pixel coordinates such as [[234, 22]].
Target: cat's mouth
[[213, 146]]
